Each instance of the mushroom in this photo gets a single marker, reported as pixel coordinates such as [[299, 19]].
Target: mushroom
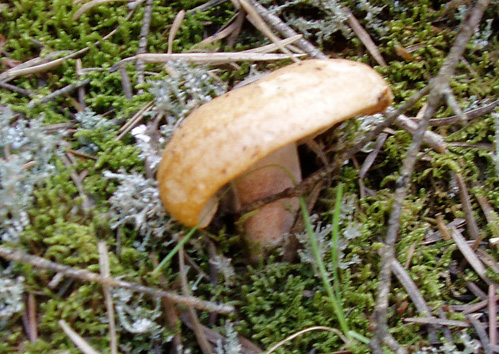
[[247, 139]]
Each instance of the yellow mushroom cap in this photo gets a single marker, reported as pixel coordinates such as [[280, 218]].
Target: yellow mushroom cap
[[220, 140]]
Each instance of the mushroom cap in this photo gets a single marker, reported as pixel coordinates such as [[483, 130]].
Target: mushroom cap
[[220, 140]]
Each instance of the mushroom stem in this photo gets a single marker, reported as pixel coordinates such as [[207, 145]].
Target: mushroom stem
[[268, 226]]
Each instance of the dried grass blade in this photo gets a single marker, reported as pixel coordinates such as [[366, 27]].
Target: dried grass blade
[[469, 254], [78, 340]]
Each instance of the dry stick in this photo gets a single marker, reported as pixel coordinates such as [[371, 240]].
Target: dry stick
[[438, 85], [125, 82], [432, 139], [473, 229], [63, 91], [83, 274], [105, 272], [16, 72], [260, 24], [286, 31], [492, 314], [81, 89], [490, 215], [369, 160], [144, 31], [364, 37], [481, 332], [415, 296], [437, 321], [207, 58], [78, 340], [196, 326], [170, 312], [32, 323], [475, 113], [19, 90], [174, 29], [309, 182]]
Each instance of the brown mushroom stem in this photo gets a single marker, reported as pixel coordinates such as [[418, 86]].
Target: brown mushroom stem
[[266, 228]]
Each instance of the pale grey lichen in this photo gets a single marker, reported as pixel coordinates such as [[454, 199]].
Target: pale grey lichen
[[26, 151], [136, 202], [134, 317], [11, 297], [231, 344], [349, 230], [224, 266], [186, 88]]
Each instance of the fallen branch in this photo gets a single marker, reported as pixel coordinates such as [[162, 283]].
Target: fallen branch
[[82, 274]]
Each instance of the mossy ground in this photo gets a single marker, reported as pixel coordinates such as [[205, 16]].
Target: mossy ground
[[273, 299]]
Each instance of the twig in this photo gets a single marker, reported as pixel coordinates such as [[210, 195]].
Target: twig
[[469, 254], [82, 274], [271, 47], [171, 314], [438, 87], [481, 332], [286, 31], [29, 318], [137, 117], [208, 58], [78, 340], [125, 82], [144, 32], [364, 37], [196, 326], [260, 24], [432, 139], [490, 215], [20, 70], [105, 272], [174, 29], [63, 91], [492, 314], [369, 160], [81, 89], [475, 113], [416, 297], [437, 322], [19, 90], [472, 226]]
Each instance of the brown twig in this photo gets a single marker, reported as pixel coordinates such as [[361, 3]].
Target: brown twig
[[471, 223], [144, 32], [81, 89], [196, 325], [105, 272], [439, 86], [492, 314], [364, 37], [481, 332], [286, 31], [416, 297], [83, 274], [474, 113], [78, 340], [172, 317], [63, 91], [177, 21]]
